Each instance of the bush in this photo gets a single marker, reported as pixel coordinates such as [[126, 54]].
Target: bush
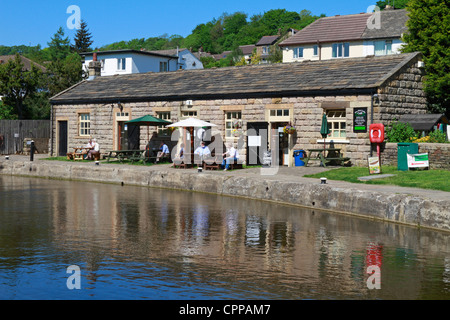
[[438, 137], [400, 132]]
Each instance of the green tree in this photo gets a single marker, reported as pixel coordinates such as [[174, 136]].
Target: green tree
[[59, 46], [64, 73], [428, 30], [83, 39], [397, 4], [17, 84]]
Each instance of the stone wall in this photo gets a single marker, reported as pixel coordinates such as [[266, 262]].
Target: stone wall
[[401, 94], [438, 154]]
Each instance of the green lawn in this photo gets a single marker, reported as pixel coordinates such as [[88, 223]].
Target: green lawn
[[425, 179]]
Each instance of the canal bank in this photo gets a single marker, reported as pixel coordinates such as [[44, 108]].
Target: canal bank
[[410, 206]]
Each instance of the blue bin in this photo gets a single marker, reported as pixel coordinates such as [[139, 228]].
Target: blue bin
[[298, 156]]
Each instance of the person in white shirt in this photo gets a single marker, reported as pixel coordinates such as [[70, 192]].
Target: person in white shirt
[[203, 150], [230, 156], [95, 150]]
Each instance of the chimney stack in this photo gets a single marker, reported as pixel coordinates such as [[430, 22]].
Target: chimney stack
[[95, 67]]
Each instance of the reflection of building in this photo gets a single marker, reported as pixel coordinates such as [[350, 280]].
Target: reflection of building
[[226, 241], [264, 98]]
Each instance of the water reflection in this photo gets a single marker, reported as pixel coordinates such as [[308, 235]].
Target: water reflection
[[133, 242]]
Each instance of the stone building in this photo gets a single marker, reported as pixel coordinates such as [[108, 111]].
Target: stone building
[[240, 98]]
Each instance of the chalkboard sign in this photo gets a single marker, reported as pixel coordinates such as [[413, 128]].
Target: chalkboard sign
[[359, 120]]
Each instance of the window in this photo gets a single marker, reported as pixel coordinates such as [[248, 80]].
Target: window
[[122, 115], [163, 67], [121, 64], [165, 116], [233, 123], [383, 47], [315, 50], [279, 113], [298, 53], [336, 123], [189, 114], [84, 120], [341, 50], [266, 50]]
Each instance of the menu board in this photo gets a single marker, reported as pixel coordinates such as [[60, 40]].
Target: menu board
[[360, 120]]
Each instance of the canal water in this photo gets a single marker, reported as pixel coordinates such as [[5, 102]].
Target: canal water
[[129, 242]]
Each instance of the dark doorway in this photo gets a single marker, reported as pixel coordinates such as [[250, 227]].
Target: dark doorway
[[283, 142], [62, 138], [257, 133], [128, 137]]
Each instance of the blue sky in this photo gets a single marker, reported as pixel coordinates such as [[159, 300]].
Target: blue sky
[[32, 22]]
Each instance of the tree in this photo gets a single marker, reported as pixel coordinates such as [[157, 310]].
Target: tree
[[83, 39], [64, 73], [59, 46], [16, 84], [397, 4], [428, 30]]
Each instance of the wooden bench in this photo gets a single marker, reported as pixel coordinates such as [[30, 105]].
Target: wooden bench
[[236, 166], [181, 165]]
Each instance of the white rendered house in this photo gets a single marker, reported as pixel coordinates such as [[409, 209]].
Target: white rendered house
[[118, 62], [348, 36]]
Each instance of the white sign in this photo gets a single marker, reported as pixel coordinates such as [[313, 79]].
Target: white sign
[[254, 141], [419, 160]]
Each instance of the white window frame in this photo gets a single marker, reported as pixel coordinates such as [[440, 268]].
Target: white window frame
[[386, 47], [84, 124], [165, 115], [121, 64], [315, 50], [298, 53], [189, 114], [233, 121], [337, 124], [340, 50]]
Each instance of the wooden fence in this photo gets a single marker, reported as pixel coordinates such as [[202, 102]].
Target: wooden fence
[[13, 133]]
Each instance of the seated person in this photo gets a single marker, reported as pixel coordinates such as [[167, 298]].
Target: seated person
[[203, 151], [94, 151], [163, 151], [180, 155], [231, 156]]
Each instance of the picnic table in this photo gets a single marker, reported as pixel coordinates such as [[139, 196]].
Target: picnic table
[[132, 155], [334, 154], [78, 153]]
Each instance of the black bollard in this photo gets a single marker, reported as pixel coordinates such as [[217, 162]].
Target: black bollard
[[32, 151]]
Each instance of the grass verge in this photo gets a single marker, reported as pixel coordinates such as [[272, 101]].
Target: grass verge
[[424, 179]]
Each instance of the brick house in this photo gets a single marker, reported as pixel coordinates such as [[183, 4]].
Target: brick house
[[268, 96]]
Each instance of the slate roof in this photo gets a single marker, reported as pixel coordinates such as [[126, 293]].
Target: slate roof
[[267, 40], [350, 28], [115, 52], [26, 62], [423, 122], [393, 25], [357, 75]]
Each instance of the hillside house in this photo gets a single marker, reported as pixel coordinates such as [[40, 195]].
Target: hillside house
[[348, 36], [117, 62]]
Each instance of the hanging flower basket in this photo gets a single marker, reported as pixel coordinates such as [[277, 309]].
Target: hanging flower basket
[[289, 129], [236, 133]]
